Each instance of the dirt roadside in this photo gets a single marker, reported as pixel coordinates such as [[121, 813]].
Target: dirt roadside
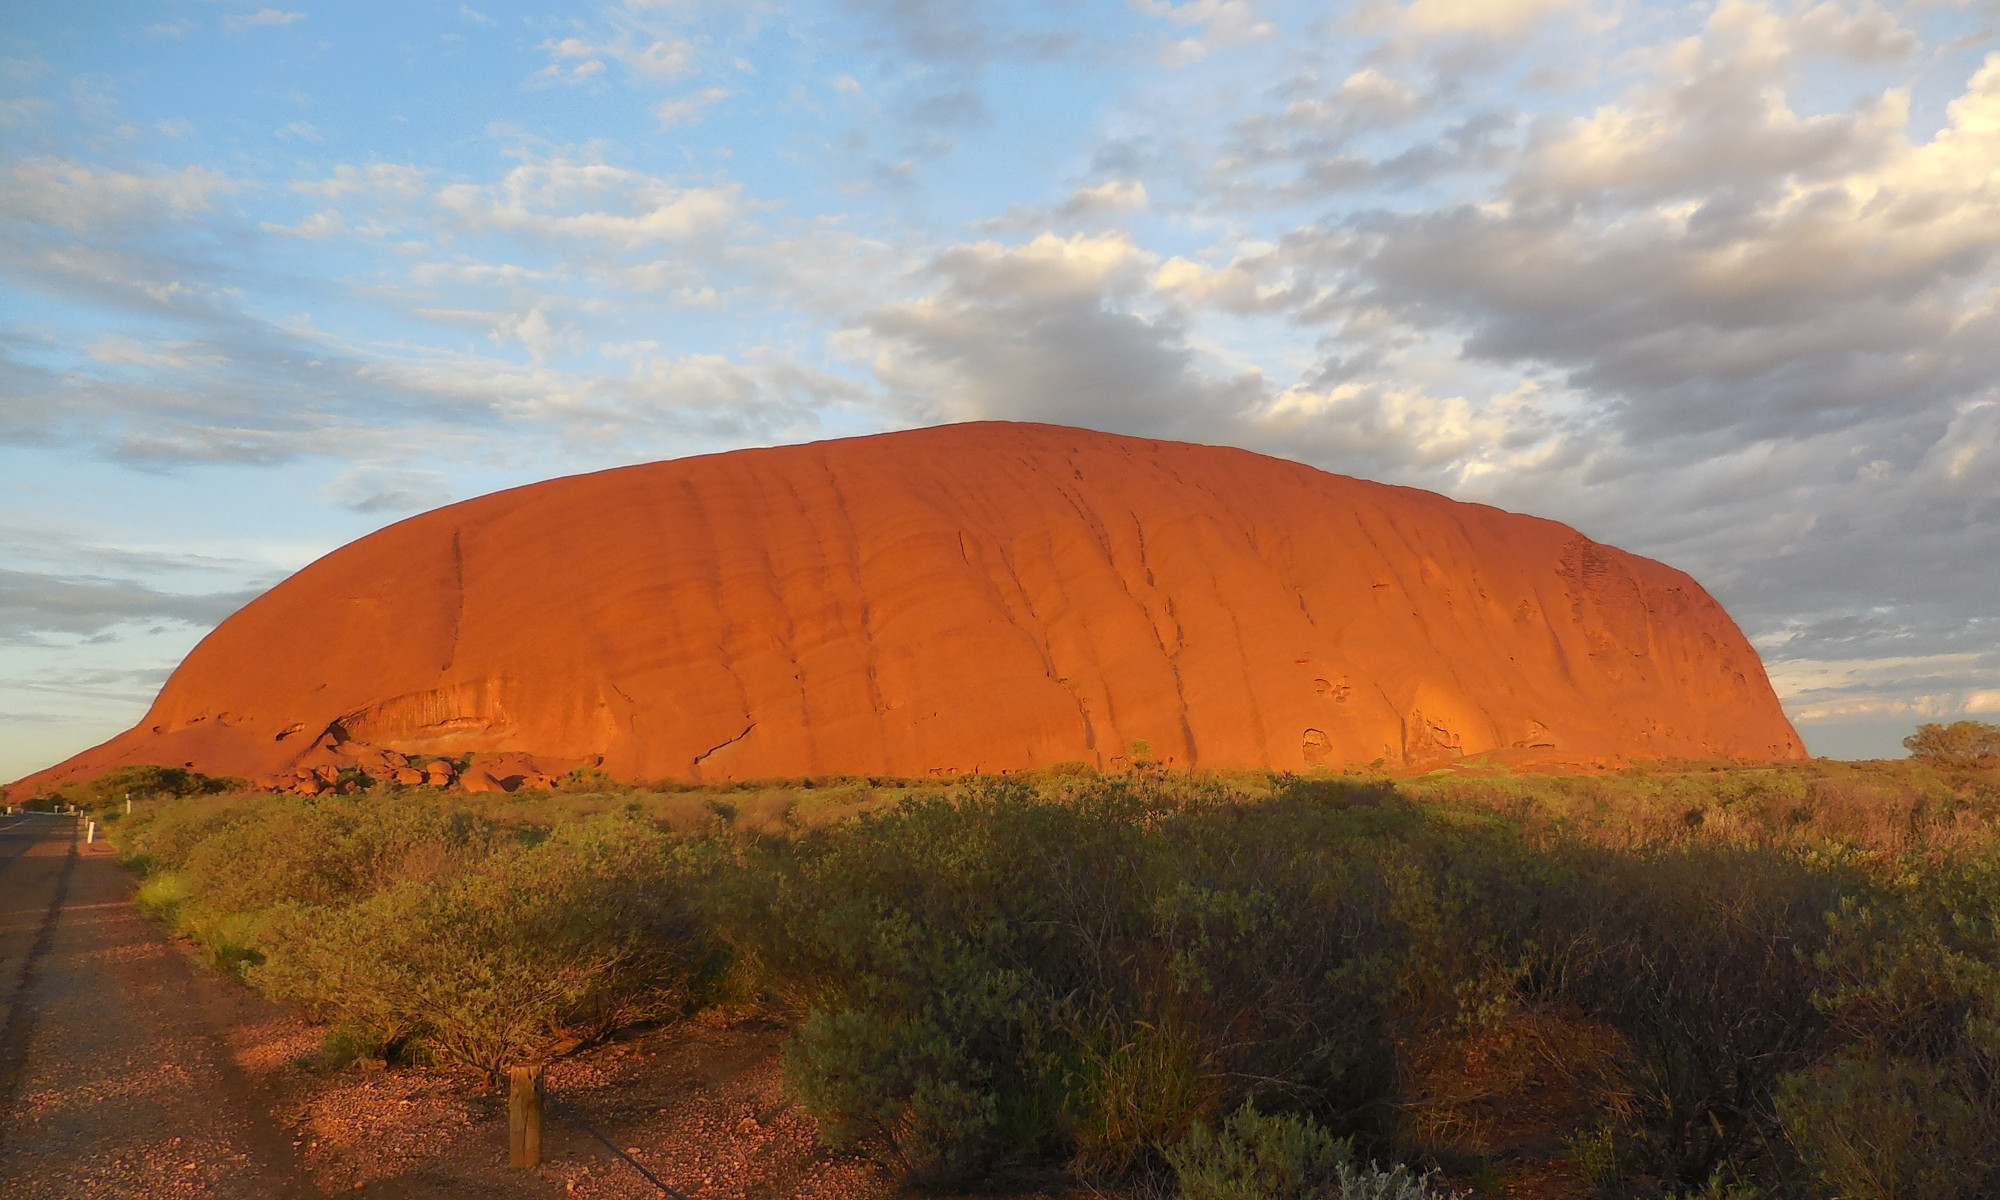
[[115, 1079]]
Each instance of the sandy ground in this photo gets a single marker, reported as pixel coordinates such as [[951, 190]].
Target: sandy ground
[[126, 1070]]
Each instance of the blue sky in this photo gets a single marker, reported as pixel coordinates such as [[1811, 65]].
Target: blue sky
[[1716, 283]]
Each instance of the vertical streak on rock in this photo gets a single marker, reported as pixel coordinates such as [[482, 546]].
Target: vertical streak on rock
[[457, 601], [852, 557]]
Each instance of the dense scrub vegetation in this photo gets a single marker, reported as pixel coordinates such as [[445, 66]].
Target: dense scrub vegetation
[[1696, 982]]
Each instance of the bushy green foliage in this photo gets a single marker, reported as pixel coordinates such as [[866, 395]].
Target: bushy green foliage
[[1702, 983], [572, 937], [108, 791], [996, 979], [425, 923], [1894, 1128], [1254, 1156], [1961, 743]]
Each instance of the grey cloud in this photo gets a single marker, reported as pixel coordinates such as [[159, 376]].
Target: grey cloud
[[186, 443], [1642, 315], [48, 542], [948, 31], [958, 108], [1271, 167], [1864, 34], [379, 489], [33, 604], [1702, 262], [140, 684], [1318, 120], [396, 501], [1014, 335]]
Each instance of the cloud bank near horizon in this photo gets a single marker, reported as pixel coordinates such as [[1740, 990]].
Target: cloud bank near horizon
[[1715, 283]]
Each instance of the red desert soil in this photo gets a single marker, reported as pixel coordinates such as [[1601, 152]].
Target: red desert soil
[[986, 597]]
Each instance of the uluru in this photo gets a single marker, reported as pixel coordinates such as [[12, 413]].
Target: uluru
[[986, 597]]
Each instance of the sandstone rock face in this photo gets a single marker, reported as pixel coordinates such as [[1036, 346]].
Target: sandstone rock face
[[984, 597]]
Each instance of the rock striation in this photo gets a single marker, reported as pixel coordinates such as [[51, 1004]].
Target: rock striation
[[978, 597]]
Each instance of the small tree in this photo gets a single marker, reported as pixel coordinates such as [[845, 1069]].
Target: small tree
[[1959, 744]]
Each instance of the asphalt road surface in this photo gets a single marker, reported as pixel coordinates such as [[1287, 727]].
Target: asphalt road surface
[[116, 1078]]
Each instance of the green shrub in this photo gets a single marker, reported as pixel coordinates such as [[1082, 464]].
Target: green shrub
[[1702, 956], [1595, 1154], [529, 946], [1800, 989], [1254, 1156], [1089, 976], [1893, 1128], [898, 1084], [161, 896], [1959, 744], [142, 782], [1280, 1157]]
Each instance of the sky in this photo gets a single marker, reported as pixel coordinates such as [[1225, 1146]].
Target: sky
[[1715, 283]]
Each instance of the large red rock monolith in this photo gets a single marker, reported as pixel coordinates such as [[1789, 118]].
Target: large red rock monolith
[[976, 597]]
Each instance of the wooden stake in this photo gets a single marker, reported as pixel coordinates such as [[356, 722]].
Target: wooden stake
[[524, 1118]]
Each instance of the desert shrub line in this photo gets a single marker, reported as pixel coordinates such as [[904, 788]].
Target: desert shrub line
[[1731, 984]]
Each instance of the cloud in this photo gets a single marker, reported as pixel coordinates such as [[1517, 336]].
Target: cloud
[[1863, 34], [1221, 23], [1835, 690], [386, 181], [18, 112], [117, 350], [263, 18], [393, 490], [80, 198], [1035, 332], [1091, 205], [646, 58], [662, 58], [32, 605], [1117, 195], [557, 198], [1315, 144], [947, 31], [323, 224], [689, 110], [1701, 242], [1504, 18]]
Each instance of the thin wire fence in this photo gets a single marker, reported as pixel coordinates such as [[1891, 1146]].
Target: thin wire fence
[[531, 1093], [570, 1111]]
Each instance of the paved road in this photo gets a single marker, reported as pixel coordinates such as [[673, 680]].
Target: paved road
[[115, 1075]]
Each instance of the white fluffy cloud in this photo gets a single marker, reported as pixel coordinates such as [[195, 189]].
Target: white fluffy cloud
[[560, 198]]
